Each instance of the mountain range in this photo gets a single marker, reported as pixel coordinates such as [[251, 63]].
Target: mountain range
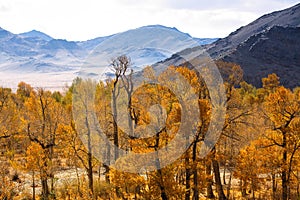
[[270, 44], [43, 61], [267, 45]]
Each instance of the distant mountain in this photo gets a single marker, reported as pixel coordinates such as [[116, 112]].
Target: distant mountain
[[31, 55], [93, 43], [270, 44], [36, 34], [204, 41], [4, 34], [146, 45]]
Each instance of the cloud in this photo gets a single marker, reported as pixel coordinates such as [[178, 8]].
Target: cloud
[[86, 19], [244, 5], [5, 6]]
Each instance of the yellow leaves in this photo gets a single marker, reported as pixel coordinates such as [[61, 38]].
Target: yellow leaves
[[149, 73], [7, 188], [9, 114], [251, 162], [24, 90], [282, 106], [271, 82], [35, 157], [205, 109], [190, 76], [231, 72]]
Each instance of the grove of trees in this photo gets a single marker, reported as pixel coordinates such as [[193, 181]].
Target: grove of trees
[[256, 156]]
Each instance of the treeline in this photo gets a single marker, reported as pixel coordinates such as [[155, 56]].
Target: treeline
[[44, 133]]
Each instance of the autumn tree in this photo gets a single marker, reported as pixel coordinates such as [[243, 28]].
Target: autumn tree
[[120, 66], [283, 109], [42, 120], [84, 119], [8, 114]]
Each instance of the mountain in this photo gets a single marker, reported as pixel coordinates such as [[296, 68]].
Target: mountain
[[285, 18], [43, 61], [4, 34], [269, 44], [277, 50], [93, 43], [204, 41], [36, 34], [145, 45]]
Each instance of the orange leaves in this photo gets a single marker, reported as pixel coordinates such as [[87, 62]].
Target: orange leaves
[[271, 82], [282, 107], [35, 157]]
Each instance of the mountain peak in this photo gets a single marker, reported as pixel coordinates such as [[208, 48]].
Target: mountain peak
[[162, 27], [36, 34]]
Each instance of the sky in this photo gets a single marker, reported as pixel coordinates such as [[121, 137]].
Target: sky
[[80, 20]]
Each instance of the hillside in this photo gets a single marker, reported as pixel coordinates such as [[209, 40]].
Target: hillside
[[269, 44], [276, 50]]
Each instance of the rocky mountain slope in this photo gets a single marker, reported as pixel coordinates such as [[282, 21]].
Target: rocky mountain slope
[[276, 50], [270, 44]]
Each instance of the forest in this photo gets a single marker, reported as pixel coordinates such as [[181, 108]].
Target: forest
[[49, 151]]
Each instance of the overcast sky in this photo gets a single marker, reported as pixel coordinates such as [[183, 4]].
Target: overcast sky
[[87, 19]]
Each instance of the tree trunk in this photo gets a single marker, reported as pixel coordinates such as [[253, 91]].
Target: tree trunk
[[274, 186], [195, 188], [106, 165], [187, 177], [90, 172], [33, 186], [298, 185], [163, 193], [90, 157], [45, 188], [44, 182], [243, 188], [107, 178], [253, 190], [219, 186], [195, 172], [284, 171], [284, 185], [209, 181], [162, 188], [115, 125], [78, 180], [229, 185], [116, 138]]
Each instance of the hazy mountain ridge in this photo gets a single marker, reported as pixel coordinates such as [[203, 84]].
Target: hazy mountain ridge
[[34, 53], [35, 45], [36, 34]]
